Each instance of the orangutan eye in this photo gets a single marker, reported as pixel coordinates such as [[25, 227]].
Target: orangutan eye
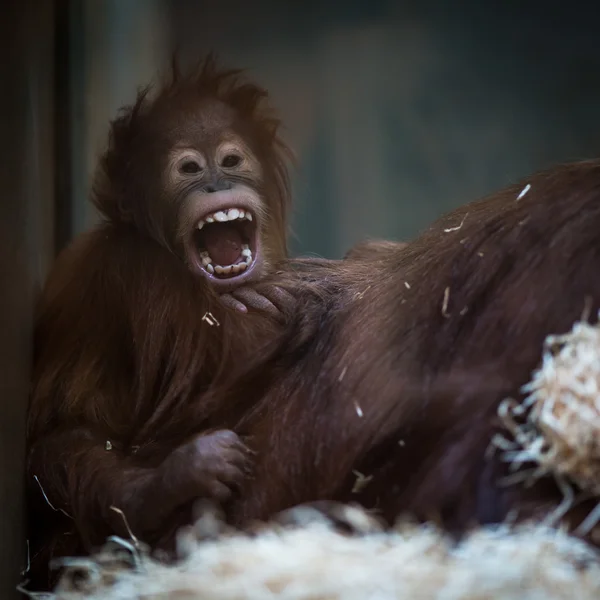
[[189, 167], [230, 161]]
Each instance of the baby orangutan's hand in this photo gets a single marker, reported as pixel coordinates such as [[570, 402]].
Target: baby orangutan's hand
[[265, 297], [212, 465]]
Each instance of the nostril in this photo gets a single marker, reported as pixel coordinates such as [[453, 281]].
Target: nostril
[[218, 186]]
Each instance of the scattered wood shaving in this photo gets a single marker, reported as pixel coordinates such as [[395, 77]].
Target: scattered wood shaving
[[464, 311], [450, 229], [134, 539], [211, 319], [342, 374], [524, 191], [108, 445], [362, 481], [445, 302], [359, 410], [64, 512], [359, 295], [407, 285], [28, 564]]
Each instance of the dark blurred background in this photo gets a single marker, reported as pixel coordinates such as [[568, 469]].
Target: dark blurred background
[[398, 111]]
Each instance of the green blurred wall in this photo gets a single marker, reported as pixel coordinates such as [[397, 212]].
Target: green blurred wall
[[398, 111]]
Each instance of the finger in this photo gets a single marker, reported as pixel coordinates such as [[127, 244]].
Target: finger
[[226, 436], [232, 475], [281, 298], [229, 301], [242, 449], [228, 441], [247, 469], [255, 300], [219, 490], [238, 459], [244, 443]]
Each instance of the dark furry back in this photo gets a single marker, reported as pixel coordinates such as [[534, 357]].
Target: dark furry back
[[396, 368]]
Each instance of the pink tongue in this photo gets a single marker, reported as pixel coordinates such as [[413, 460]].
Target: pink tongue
[[223, 243]]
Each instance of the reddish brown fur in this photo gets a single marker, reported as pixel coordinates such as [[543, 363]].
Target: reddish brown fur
[[378, 353], [123, 353], [374, 249], [381, 375]]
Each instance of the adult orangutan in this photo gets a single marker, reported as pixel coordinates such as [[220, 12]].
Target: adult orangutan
[[393, 370]]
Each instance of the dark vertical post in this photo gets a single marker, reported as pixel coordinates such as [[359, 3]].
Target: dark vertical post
[[26, 245]]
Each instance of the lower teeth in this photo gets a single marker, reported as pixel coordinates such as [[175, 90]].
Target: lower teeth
[[220, 270]]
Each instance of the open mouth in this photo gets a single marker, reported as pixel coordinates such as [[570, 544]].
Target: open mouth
[[226, 242]]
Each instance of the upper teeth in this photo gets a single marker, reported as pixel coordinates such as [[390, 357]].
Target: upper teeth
[[225, 215]]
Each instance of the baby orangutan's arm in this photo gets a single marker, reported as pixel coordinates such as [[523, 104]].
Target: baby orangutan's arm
[[83, 475]]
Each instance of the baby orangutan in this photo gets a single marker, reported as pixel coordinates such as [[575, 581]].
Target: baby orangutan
[[131, 330]]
